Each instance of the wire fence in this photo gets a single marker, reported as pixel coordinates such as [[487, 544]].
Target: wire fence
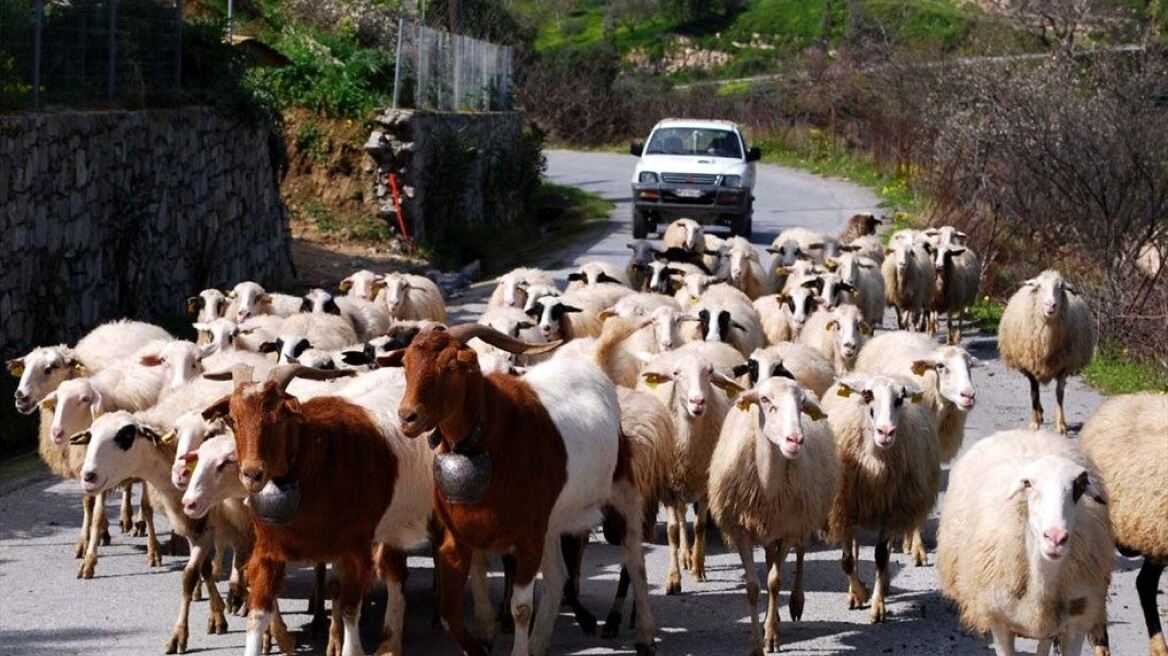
[[450, 72], [85, 52]]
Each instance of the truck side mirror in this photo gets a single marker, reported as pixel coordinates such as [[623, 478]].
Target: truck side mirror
[[754, 154], [636, 148]]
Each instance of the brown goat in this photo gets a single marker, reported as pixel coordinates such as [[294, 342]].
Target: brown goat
[[858, 226], [548, 455], [320, 475]]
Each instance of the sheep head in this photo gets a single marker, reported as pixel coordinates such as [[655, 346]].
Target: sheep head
[[40, 372], [782, 403], [116, 445], [1050, 290], [882, 398], [951, 365], [693, 377], [1053, 487]]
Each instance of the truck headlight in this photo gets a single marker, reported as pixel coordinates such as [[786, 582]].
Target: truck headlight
[[648, 177], [731, 181]]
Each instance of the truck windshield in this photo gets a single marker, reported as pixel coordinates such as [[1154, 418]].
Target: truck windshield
[[694, 141]]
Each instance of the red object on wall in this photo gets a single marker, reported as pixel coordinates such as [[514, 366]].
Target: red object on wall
[[397, 208]]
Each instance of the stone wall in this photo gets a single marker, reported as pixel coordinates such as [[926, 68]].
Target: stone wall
[[127, 213], [455, 169]]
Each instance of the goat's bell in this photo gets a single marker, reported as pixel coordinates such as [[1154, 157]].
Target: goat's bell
[[462, 479], [276, 503]]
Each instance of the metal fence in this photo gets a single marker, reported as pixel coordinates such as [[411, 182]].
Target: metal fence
[[79, 52], [442, 71]]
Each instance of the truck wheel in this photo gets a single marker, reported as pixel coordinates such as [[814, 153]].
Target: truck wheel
[[743, 225], [640, 224]]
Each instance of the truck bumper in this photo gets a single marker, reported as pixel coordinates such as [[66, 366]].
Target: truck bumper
[[692, 201]]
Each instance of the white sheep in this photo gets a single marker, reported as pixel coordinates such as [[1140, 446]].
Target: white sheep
[[727, 315], [744, 270], [865, 278], [568, 317], [783, 315], [510, 321], [715, 250], [797, 243], [958, 277], [669, 277], [641, 304], [363, 285], [1047, 332], [208, 306], [797, 274], [591, 274], [326, 332], [511, 288], [1126, 439], [686, 381], [413, 297], [249, 299], [909, 277], [869, 247], [182, 362], [838, 335], [943, 374], [686, 234], [792, 359], [945, 235], [369, 318], [773, 476], [889, 471], [1024, 545]]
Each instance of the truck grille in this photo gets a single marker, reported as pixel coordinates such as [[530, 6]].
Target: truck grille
[[689, 178], [667, 196]]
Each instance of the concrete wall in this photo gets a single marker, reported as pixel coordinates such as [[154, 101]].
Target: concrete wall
[[455, 168], [126, 213]]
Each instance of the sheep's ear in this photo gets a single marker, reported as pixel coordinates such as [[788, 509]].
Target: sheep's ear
[[1069, 287], [811, 406], [832, 325], [229, 293], [81, 439], [747, 399], [269, 347], [151, 360], [914, 393], [786, 271], [831, 265], [16, 367], [49, 403], [932, 232], [391, 359], [264, 299], [527, 325], [847, 386], [149, 434], [735, 324], [866, 265], [576, 277], [654, 378], [848, 248], [604, 277], [345, 285], [888, 251], [356, 358], [1086, 485], [727, 384], [919, 367], [569, 308], [956, 251], [974, 363], [740, 370], [1033, 282], [1019, 485], [773, 251], [865, 329], [799, 254], [607, 313], [193, 304], [817, 246]]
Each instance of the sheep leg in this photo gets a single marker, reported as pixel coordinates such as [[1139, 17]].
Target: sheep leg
[[675, 526], [125, 520], [795, 604], [627, 501], [1044, 647], [1060, 420], [1146, 583], [485, 620], [775, 555], [153, 549], [683, 541], [336, 635], [555, 573], [101, 519], [1100, 640], [572, 546], [97, 522], [145, 514], [391, 566], [698, 560], [190, 579], [237, 583], [455, 561], [266, 577], [955, 331], [616, 613], [850, 562], [914, 545], [217, 621], [1035, 402], [746, 554], [86, 526], [1003, 640], [879, 613]]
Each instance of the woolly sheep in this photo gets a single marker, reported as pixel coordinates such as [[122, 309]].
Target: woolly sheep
[[180, 362], [591, 274], [838, 335], [726, 315], [889, 471], [309, 330], [860, 225], [865, 278], [806, 365], [413, 297], [958, 274], [945, 235], [784, 315], [1024, 545], [1126, 441], [208, 306], [715, 250], [637, 270], [250, 299], [1047, 332], [908, 281], [797, 243], [509, 321], [511, 287], [942, 372], [685, 234], [641, 304], [869, 247], [613, 350], [363, 285], [369, 319], [743, 269], [772, 479], [567, 317], [669, 278], [686, 381]]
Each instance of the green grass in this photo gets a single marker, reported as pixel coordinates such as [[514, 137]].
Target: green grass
[[553, 202], [987, 314], [1114, 371]]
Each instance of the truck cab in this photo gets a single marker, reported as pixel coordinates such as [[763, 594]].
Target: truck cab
[[697, 169]]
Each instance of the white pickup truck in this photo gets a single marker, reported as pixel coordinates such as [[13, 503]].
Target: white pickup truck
[[694, 169]]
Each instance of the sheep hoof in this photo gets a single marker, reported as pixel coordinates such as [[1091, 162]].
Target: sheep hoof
[[699, 573], [88, 565], [178, 642], [334, 647], [1102, 651], [266, 642], [673, 584], [1061, 427], [197, 595], [646, 649], [80, 550], [139, 530], [104, 541], [795, 605], [771, 642], [611, 625], [857, 596], [920, 556], [154, 556], [878, 612], [217, 623], [125, 524], [285, 641]]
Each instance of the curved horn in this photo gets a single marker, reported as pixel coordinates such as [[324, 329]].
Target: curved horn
[[468, 331], [238, 374], [283, 374]]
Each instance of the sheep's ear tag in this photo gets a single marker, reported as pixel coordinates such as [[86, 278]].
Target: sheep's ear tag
[[80, 439], [80, 369], [918, 397], [651, 382], [919, 368], [50, 405], [167, 437], [844, 391], [17, 370], [745, 403]]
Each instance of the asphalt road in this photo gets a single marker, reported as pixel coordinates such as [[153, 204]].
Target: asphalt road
[[129, 608]]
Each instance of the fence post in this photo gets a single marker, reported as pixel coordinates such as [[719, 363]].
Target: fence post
[[36, 53], [178, 58], [113, 48], [397, 73]]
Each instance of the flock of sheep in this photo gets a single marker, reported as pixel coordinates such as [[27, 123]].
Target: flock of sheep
[[704, 373]]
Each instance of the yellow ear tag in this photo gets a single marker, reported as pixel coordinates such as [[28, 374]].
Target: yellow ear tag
[[80, 369], [651, 383], [190, 464], [17, 370], [732, 393], [917, 398], [744, 405], [919, 369], [844, 391], [167, 437]]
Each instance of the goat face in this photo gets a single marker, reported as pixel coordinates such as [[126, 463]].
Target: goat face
[[1053, 487], [882, 398], [266, 421], [438, 370], [40, 372]]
